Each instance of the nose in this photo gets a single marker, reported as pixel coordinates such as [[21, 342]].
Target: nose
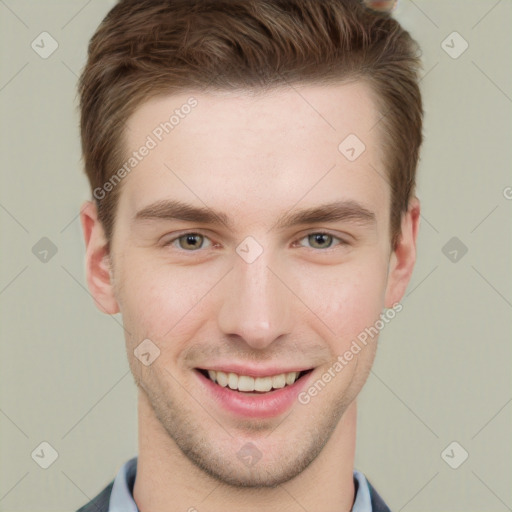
[[256, 305]]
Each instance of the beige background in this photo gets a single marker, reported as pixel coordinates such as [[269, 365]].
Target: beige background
[[443, 370]]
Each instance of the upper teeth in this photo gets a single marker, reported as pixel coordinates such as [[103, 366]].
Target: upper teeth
[[246, 383]]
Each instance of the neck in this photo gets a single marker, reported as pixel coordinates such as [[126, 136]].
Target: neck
[[167, 481]]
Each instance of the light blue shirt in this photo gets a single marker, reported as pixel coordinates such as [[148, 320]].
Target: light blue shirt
[[121, 499]]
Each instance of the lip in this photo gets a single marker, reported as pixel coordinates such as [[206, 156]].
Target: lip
[[264, 405]]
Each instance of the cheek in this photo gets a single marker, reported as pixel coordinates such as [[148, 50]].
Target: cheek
[[159, 301], [346, 299]]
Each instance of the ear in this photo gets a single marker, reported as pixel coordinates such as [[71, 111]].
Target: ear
[[403, 257], [97, 260]]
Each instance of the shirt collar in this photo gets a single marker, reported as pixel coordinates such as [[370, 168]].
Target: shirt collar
[[121, 499]]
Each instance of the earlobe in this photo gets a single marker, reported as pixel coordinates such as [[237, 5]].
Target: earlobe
[[403, 257], [97, 260]]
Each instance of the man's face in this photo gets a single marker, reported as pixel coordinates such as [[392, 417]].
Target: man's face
[[254, 293]]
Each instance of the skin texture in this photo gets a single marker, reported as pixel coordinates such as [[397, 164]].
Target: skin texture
[[301, 302]]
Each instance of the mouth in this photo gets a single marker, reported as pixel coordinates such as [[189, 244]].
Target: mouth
[[253, 397], [247, 385]]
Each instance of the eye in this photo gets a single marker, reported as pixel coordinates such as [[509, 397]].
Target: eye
[[189, 242], [322, 240]]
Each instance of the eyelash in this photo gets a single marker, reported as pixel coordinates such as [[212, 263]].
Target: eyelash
[[334, 238]]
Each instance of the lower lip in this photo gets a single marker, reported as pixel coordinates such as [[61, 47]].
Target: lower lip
[[264, 405]]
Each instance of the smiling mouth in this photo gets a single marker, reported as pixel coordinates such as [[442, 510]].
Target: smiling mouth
[[253, 385]]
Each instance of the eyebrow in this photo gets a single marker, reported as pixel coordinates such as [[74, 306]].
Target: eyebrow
[[349, 210]]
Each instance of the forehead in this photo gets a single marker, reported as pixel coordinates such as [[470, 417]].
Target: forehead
[[294, 143], [291, 110]]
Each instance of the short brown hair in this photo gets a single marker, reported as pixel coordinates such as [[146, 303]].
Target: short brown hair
[[147, 48]]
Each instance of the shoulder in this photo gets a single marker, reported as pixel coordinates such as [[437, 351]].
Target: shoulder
[[101, 502]]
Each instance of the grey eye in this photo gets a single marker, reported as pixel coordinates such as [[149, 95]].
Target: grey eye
[[320, 240], [191, 241]]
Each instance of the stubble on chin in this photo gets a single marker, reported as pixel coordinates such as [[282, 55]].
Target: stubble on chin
[[196, 440]]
